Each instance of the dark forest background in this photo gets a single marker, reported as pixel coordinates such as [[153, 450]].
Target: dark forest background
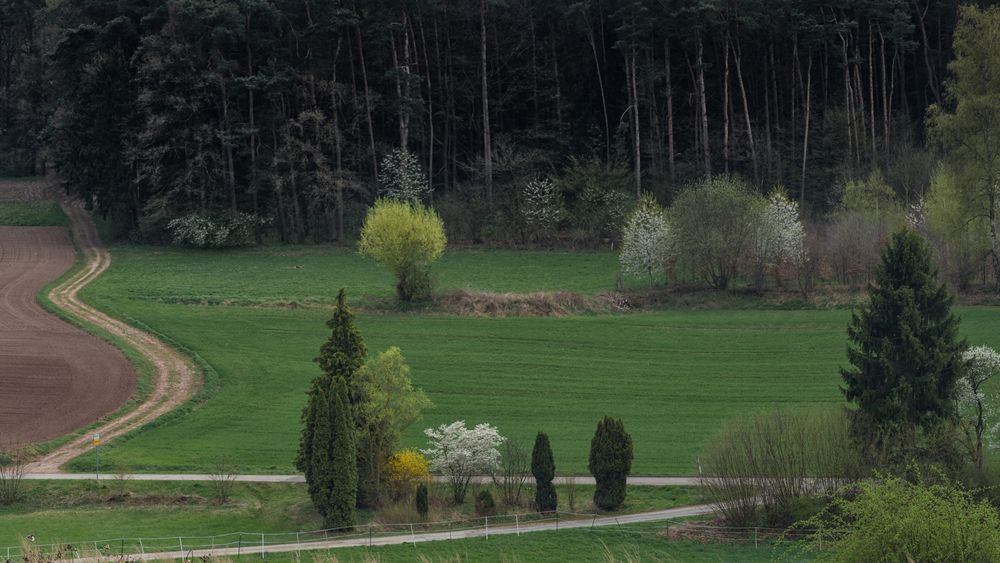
[[285, 109]]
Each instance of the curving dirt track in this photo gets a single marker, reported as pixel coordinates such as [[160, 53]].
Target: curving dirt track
[[54, 378], [175, 379]]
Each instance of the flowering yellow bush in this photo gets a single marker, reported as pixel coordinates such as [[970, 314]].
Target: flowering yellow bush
[[405, 469]]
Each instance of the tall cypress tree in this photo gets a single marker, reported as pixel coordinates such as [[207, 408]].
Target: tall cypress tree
[[543, 467], [610, 462], [341, 355], [323, 442], [904, 345]]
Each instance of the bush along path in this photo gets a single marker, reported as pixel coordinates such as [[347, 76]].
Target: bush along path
[[175, 378]]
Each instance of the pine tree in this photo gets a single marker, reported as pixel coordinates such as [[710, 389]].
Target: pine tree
[[904, 345], [543, 467], [610, 462]]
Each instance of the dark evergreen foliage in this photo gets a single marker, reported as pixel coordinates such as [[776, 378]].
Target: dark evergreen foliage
[[610, 462], [543, 467], [421, 500], [485, 505], [904, 345], [344, 352], [159, 109]]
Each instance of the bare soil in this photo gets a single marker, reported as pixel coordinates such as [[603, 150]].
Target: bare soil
[[54, 378]]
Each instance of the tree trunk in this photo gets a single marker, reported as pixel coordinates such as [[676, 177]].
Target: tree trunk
[[725, 106], [706, 156], [604, 100], [670, 111], [994, 246], [368, 101], [805, 140], [634, 95], [487, 142], [746, 114], [931, 78]]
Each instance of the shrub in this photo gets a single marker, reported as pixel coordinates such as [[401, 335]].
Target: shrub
[[892, 519], [610, 462], [459, 453], [403, 177], [407, 470], [543, 467], [512, 474], [405, 237], [714, 228], [421, 500], [758, 467], [202, 231], [646, 241], [542, 207], [484, 503]]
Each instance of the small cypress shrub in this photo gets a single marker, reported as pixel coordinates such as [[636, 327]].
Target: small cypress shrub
[[484, 503], [421, 500], [543, 467], [610, 462]]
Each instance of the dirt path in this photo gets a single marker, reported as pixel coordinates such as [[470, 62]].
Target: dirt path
[[175, 379]]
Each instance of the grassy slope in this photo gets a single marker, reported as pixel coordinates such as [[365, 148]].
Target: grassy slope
[[32, 214], [673, 376], [315, 273], [78, 511], [631, 543]]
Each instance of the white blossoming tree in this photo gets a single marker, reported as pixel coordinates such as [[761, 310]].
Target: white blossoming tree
[[779, 236], [646, 241], [459, 453], [542, 206], [976, 407], [403, 177]]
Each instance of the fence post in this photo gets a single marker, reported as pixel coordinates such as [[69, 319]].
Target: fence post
[[487, 527], [517, 524], [413, 536], [449, 529], [122, 552], [557, 521], [181, 541], [755, 538], [239, 546], [262, 556], [369, 535], [593, 522], [142, 550], [298, 543]]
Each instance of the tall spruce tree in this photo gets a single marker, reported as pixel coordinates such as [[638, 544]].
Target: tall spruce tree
[[610, 462], [543, 467], [904, 345]]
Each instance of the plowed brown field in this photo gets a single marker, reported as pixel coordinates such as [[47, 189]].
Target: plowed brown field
[[54, 378]]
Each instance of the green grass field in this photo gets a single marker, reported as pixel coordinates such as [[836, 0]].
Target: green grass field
[[635, 543], [673, 376], [31, 214], [82, 511]]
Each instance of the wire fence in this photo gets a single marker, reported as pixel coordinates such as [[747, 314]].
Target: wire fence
[[256, 544]]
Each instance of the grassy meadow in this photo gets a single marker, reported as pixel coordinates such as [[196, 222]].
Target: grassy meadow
[[674, 376], [32, 214], [78, 511]]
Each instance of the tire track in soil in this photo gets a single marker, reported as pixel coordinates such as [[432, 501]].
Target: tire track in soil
[[176, 378]]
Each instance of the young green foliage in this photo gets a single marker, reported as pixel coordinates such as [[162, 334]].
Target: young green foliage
[[610, 462], [405, 237]]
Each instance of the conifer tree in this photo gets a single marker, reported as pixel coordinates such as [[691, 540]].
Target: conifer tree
[[342, 462], [341, 355], [543, 467], [610, 462], [904, 345]]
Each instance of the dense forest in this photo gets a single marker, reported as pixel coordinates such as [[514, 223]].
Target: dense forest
[[290, 114]]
